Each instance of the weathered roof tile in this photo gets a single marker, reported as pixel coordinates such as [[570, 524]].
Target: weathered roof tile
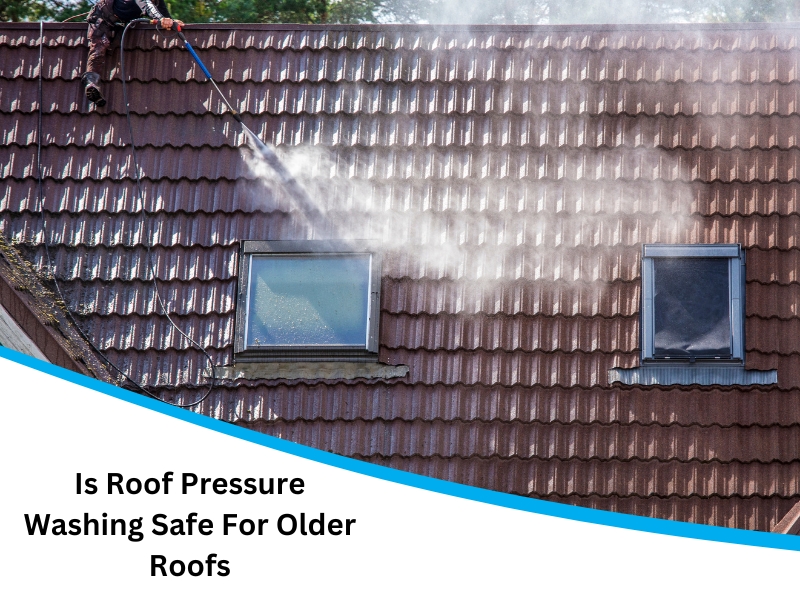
[[509, 174]]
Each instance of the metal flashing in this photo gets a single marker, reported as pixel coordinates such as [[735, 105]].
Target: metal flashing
[[311, 370], [692, 251], [692, 375]]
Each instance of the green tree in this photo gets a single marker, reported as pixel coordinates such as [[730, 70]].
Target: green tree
[[434, 11], [271, 11], [15, 10], [354, 11], [733, 11], [588, 11], [275, 11], [192, 11], [42, 10]]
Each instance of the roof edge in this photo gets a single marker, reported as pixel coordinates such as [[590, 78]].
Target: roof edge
[[14, 337], [377, 27], [40, 316]]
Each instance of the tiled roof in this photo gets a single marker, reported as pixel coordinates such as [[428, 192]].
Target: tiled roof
[[511, 175], [30, 306]]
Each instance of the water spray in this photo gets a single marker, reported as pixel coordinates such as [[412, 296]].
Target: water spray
[[285, 177], [268, 154]]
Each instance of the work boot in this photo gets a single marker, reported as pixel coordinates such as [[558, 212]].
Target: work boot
[[92, 89]]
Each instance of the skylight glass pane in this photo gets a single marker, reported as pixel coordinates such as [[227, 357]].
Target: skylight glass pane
[[304, 300], [692, 307]]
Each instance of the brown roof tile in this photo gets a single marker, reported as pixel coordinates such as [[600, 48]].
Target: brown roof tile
[[714, 444], [510, 174], [345, 401]]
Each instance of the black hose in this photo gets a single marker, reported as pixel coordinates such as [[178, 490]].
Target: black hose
[[148, 242], [41, 210], [288, 180], [59, 292]]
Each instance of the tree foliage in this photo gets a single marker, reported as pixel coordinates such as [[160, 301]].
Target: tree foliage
[[434, 11], [42, 10], [590, 11]]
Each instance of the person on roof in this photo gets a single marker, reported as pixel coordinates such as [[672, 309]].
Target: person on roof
[[102, 19]]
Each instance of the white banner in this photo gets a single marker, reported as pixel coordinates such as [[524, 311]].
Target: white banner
[[107, 494]]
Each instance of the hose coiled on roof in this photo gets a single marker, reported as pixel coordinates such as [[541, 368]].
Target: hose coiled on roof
[[51, 267], [149, 244], [40, 207]]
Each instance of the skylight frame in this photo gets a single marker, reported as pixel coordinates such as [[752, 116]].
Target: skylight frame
[[368, 352], [736, 299]]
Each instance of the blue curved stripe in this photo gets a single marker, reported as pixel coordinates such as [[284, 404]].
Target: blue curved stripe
[[542, 507]]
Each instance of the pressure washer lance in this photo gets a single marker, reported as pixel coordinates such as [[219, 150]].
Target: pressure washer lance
[[286, 178]]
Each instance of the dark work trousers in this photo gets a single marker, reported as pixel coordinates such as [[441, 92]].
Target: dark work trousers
[[102, 22]]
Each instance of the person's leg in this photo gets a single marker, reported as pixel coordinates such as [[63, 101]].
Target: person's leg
[[101, 25]]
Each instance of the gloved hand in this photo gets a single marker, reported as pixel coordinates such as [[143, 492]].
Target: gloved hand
[[167, 23]]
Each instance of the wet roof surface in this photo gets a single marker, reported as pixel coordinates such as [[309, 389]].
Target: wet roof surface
[[510, 176]]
